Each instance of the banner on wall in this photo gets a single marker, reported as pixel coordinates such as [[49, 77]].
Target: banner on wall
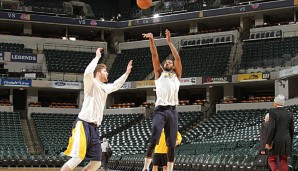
[[66, 85], [30, 75], [1, 56], [23, 57], [146, 83], [188, 81], [126, 85], [288, 72], [16, 83], [253, 76], [217, 80]]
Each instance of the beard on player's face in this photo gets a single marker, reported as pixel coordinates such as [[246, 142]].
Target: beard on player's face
[[168, 66]]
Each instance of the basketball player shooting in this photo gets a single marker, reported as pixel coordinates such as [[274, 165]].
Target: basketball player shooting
[[85, 140], [167, 81]]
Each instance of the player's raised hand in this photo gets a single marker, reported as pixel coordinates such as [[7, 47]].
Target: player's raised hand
[[147, 35], [168, 35], [129, 66], [99, 51]]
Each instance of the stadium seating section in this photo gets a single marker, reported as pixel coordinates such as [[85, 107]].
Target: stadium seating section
[[228, 140], [12, 142], [141, 58], [55, 138], [257, 99], [68, 61], [108, 9], [269, 53], [14, 47], [205, 60], [135, 139], [46, 6], [5, 102], [102, 9]]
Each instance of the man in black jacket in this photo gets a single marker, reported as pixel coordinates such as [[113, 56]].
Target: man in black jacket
[[280, 135], [263, 134]]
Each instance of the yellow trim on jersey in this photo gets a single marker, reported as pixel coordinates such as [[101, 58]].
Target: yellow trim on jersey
[[161, 147], [77, 142]]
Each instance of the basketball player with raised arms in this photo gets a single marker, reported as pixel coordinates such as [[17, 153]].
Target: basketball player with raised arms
[[167, 82], [85, 140]]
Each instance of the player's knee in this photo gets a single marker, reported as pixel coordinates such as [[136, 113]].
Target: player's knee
[[150, 150], [73, 162]]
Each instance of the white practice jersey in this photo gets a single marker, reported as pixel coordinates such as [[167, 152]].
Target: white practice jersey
[[167, 88], [96, 93]]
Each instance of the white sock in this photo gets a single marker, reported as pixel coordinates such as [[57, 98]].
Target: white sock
[[170, 166], [147, 163]]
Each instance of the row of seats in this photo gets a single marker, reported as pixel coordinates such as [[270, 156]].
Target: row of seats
[[14, 47], [67, 61], [135, 139], [251, 99], [54, 138], [228, 140], [51, 7], [142, 63], [122, 105], [205, 61], [28, 161], [206, 41], [12, 140], [269, 53], [5, 102], [266, 35]]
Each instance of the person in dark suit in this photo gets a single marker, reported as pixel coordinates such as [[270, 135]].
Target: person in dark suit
[[280, 135], [263, 134]]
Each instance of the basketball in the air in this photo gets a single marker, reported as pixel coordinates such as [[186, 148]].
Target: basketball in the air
[[144, 4]]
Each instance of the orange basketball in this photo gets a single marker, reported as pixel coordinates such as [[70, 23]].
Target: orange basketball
[[144, 4]]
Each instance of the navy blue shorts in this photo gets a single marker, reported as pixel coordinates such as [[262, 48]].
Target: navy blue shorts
[[84, 141], [160, 159], [165, 117]]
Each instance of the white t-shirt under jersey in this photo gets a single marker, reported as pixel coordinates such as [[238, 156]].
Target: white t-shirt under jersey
[[167, 88], [96, 93]]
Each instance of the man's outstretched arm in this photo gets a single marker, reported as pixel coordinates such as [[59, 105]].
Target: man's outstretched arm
[[177, 60], [155, 59]]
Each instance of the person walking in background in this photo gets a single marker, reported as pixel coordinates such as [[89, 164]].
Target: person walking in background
[[160, 151], [263, 134], [280, 135], [105, 157]]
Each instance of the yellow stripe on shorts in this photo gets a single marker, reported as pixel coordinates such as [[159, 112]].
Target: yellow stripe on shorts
[[77, 145]]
